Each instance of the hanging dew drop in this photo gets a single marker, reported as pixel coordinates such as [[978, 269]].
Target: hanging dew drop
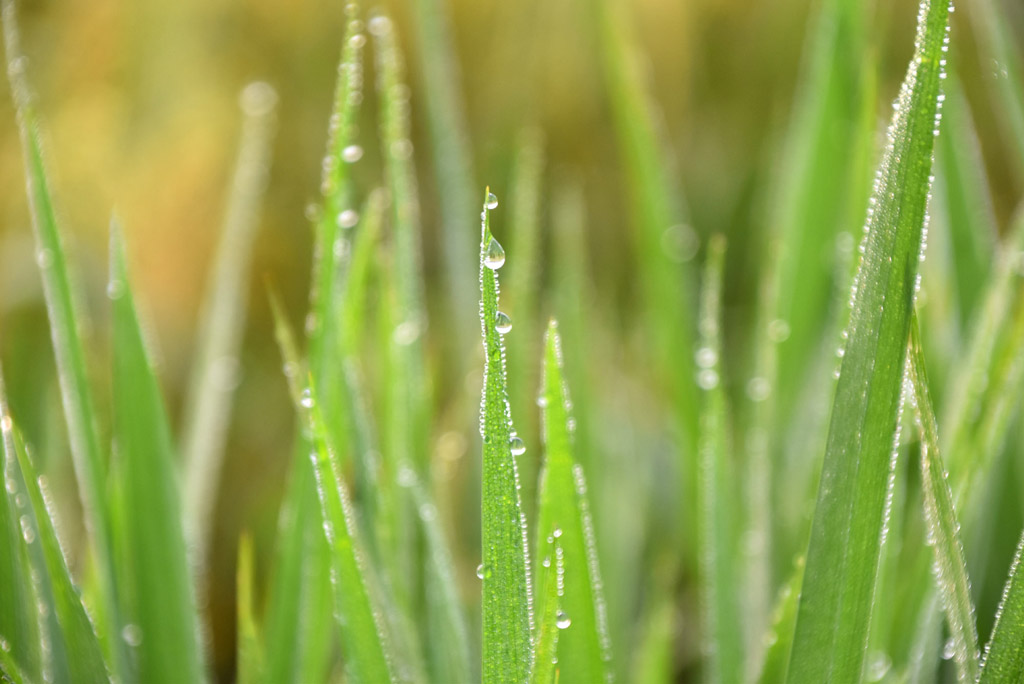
[[562, 620], [480, 571], [502, 323], [517, 446], [494, 258], [492, 201]]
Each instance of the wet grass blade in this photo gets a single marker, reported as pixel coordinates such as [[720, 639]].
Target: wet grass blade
[[1003, 661], [779, 639], [722, 629], [564, 514], [18, 623], [507, 598], [847, 531], [943, 528], [216, 367], [549, 592], [158, 587], [76, 632], [66, 321], [250, 647]]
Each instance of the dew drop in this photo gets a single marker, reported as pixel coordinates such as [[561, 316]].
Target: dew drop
[[258, 98], [132, 634], [542, 400], [358, 40], [878, 667], [44, 258], [307, 398], [480, 571], [502, 323], [27, 532], [6, 423], [312, 212], [546, 562], [115, 289], [5, 646], [492, 201], [562, 620], [556, 533], [494, 258], [778, 330], [707, 379], [517, 446], [949, 649], [348, 218], [758, 389], [352, 154], [379, 25], [706, 357]]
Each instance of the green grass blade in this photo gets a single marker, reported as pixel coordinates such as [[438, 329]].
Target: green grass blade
[[18, 623], [723, 631], [77, 635], [10, 670], [564, 511], [779, 639], [65, 318], [250, 647], [550, 588], [158, 586], [1003, 661], [507, 598], [208, 403], [943, 528], [847, 531]]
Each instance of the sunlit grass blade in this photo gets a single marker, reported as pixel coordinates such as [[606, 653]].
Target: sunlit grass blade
[[722, 629], [250, 647], [297, 626], [564, 513], [507, 598], [18, 623], [847, 531], [1003, 661], [779, 638], [77, 635], [550, 584], [452, 158], [10, 670], [158, 591], [65, 316], [943, 528], [216, 365]]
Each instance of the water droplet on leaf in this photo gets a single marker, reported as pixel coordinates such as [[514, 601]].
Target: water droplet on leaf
[[502, 323], [494, 258]]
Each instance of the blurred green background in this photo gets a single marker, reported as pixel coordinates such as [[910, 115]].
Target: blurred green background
[[139, 103]]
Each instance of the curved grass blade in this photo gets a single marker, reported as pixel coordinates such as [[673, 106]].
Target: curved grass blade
[[18, 623], [78, 640], [250, 646], [158, 587], [723, 631], [208, 404], [507, 596], [847, 532], [550, 587], [1003, 661], [64, 313], [564, 513], [943, 528]]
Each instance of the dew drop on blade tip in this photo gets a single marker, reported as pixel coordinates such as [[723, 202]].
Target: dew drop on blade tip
[[492, 201]]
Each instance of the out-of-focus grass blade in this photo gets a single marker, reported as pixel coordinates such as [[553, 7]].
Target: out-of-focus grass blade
[[943, 528], [452, 158], [77, 635], [847, 532], [1003, 662], [997, 43], [215, 370], [10, 671], [250, 646], [18, 622], [550, 587], [65, 329], [297, 626], [779, 639], [564, 513], [158, 589], [722, 630], [507, 609]]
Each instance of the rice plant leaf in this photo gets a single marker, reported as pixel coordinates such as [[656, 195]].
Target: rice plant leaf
[[76, 633], [10, 671], [779, 639], [1003, 661], [847, 532], [158, 586], [18, 624], [549, 592], [723, 631], [297, 631], [250, 646], [943, 528], [564, 514], [507, 609], [65, 315], [208, 403]]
